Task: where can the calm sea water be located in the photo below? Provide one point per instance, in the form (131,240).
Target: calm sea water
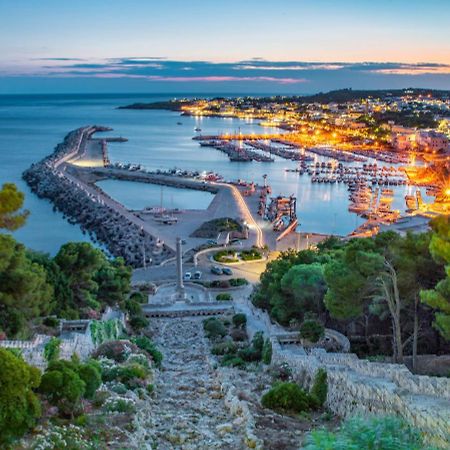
(31,126)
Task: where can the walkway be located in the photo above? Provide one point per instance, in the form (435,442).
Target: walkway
(188,411)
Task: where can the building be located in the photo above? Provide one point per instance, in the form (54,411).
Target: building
(432,141)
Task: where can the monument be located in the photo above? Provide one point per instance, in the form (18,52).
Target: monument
(180,290)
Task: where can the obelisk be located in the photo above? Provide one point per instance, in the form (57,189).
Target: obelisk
(181,294)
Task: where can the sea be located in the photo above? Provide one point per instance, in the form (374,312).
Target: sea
(32,125)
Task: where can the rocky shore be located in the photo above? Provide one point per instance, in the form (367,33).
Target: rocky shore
(48,179)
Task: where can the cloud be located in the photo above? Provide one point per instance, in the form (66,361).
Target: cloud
(157,68)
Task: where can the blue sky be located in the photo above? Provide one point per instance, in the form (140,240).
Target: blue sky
(286,46)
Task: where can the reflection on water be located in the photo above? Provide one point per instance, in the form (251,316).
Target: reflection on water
(134,195)
(30,127)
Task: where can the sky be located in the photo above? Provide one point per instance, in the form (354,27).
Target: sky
(245,46)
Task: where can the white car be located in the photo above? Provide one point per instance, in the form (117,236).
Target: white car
(187,276)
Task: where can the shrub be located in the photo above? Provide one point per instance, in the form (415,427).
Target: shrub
(225,296)
(267,352)
(319,389)
(138,323)
(52,349)
(133,307)
(249,354)
(150,388)
(312,330)
(232,361)
(214,328)
(138,297)
(100,398)
(91,375)
(250,255)
(225,256)
(144,343)
(51,322)
(63,387)
(282,372)
(121,405)
(128,374)
(239,320)
(238,334)
(258,341)
(287,397)
(377,433)
(116,350)
(19,406)
(224,348)
(237,282)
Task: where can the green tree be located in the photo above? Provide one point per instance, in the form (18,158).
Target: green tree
(79,262)
(348,277)
(63,305)
(113,279)
(63,387)
(305,287)
(11,202)
(439,297)
(19,406)
(90,373)
(24,291)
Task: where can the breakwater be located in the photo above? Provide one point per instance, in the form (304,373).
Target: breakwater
(122,234)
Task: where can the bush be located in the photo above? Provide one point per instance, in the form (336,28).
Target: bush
(225,256)
(250,255)
(287,397)
(281,372)
(19,406)
(133,307)
(214,328)
(52,349)
(100,398)
(249,354)
(51,322)
(377,433)
(232,361)
(235,282)
(121,405)
(258,341)
(267,352)
(91,375)
(224,348)
(138,297)
(225,296)
(312,330)
(144,343)
(138,323)
(150,388)
(116,350)
(128,374)
(238,334)
(239,320)
(319,389)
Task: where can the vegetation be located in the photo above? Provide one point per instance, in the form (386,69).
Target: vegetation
(289,397)
(144,343)
(239,320)
(19,406)
(266,355)
(250,255)
(12,216)
(52,349)
(312,330)
(214,328)
(351,282)
(226,256)
(224,296)
(377,433)
(439,297)
(212,228)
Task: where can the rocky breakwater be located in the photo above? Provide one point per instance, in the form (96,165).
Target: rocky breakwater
(122,237)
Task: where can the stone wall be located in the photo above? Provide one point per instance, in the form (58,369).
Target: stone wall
(360,387)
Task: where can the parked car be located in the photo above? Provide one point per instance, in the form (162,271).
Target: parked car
(227,271)
(216,270)
(187,276)
(197,275)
